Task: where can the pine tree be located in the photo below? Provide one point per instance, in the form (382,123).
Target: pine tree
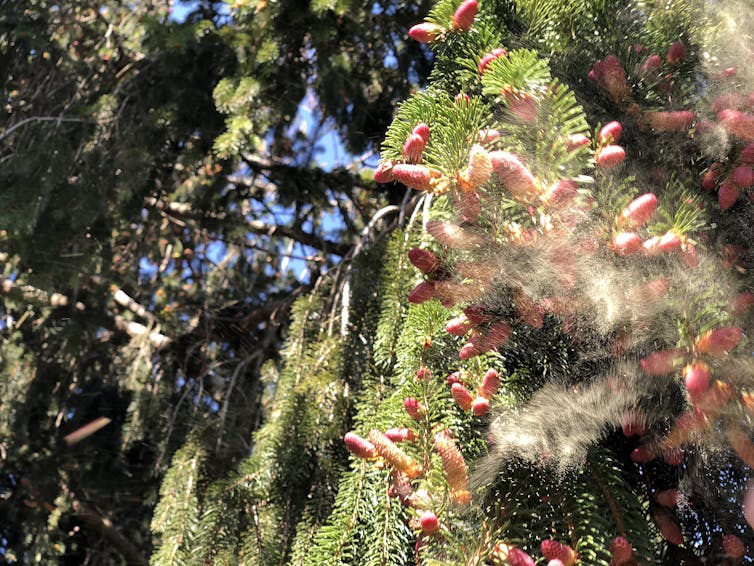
(162,205)
(528,346)
(569,381)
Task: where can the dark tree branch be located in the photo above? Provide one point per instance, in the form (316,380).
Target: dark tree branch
(297,234)
(258,227)
(96,523)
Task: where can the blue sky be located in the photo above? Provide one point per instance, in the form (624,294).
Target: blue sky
(181,9)
(330,154)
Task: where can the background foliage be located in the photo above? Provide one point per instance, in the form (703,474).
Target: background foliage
(204,288)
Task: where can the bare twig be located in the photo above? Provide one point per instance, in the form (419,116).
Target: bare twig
(124,300)
(134,329)
(31,119)
(226,402)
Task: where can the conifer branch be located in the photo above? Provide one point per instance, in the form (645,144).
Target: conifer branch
(609,498)
(96,523)
(93,521)
(34,295)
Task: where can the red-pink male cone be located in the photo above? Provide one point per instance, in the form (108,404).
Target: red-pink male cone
(478,171)
(741,303)
(720,341)
(359,447)
(669,529)
(696,376)
(561,193)
(490,383)
(668,497)
(663,362)
(421,130)
(610,133)
(639,211)
(734,547)
(711,175)
(384,172)
(424,291)
(425,32)
(516,178)
(669,121)
(743,176)
(642,454)
(488,58)
(626,243)
(740,124)
(747,154)
(727,194)
(414,408)
(610,156)
(634,422)
(497,334)
(424,260)
(468,351)
(650,245)
(462,396)
(668,242)
(454,466)
(458,326)
(676,53)
(480,406)
(522,105)
(575,141)
(728,100)
(554,550)
(413,148)
(429,522)
(414,176)
(488,136)
(508,555)
(400,434)
(463,18)
(609,74)
(650,65)
(621,551)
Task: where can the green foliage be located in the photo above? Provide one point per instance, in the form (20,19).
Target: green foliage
(585,509)
(394,287)
(521,69)
(162,194)
(176,517)
(18,374)
(366,526)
